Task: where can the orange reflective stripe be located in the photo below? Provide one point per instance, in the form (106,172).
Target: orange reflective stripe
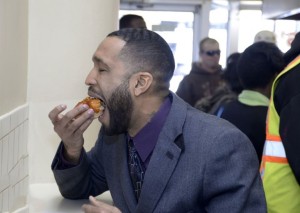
(293,63)
(274,138)
(262,167)
(273,159)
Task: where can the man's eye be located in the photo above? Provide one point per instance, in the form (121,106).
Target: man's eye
(102,70)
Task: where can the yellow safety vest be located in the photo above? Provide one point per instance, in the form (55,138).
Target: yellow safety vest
(280,185)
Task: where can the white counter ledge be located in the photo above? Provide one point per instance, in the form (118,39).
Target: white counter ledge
(46,198)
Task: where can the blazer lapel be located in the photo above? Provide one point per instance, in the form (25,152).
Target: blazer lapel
(161,166)
(165,156)
(127,190)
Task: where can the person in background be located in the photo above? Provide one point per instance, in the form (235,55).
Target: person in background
(188,161)
(257,68)
(132,21)
(226,92)
(205,75)
(280,167)
(265,35)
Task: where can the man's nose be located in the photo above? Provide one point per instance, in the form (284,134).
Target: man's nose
(91,77)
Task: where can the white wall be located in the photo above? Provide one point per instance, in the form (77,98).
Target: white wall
(45,53)
(13,107)
(63,35)
(13,54)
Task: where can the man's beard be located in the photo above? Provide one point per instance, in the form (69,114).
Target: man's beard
(120,110)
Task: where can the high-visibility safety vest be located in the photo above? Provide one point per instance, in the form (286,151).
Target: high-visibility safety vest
(281,188)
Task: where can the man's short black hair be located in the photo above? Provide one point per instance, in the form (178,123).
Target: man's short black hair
(147,51)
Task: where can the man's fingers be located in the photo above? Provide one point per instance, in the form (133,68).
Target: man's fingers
(76,111)
(99,206)
(55,115)
(88,208)
(67,120)
(81,122)
(96,202)
(83,126)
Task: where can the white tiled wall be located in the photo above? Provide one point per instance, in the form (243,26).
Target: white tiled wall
(14,159)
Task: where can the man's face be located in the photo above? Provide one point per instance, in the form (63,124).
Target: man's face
(210,55)
(120,107)
(109,81)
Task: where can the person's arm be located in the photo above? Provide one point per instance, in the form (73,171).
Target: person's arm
(81,180)
(287,104)
(290,134)
(70,128)
(74,182)
(62,163)
(71,179)
(232,182)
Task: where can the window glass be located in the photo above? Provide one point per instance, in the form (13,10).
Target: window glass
(285,31)
(177,29)
(252,21)
(218,19)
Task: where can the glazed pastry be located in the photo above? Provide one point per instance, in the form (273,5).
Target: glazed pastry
(93,103)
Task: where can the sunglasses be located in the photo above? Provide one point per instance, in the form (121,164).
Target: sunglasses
(212,52)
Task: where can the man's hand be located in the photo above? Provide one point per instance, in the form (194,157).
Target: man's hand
(70,128)
(96,206)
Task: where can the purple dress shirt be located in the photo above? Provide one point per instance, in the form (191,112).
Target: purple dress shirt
(146,138)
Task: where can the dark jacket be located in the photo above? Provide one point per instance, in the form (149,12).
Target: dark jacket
(249,119)
(198,84)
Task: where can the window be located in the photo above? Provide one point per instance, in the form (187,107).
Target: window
(176,28)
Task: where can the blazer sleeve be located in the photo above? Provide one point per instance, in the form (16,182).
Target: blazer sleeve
(231,180)
(82,180)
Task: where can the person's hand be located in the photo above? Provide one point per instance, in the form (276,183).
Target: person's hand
(70,128)
(96,206)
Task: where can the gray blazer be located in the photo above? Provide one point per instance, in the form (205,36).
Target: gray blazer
(200,163)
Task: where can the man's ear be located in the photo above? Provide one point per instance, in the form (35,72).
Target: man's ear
(142,82)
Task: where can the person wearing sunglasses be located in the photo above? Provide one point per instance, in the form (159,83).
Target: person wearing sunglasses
(205,75)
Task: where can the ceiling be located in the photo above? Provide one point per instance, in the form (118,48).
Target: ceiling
(281,9)
(188,1)
(272,9)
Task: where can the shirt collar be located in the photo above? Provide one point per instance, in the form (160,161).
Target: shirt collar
(253,98)
(147,137)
